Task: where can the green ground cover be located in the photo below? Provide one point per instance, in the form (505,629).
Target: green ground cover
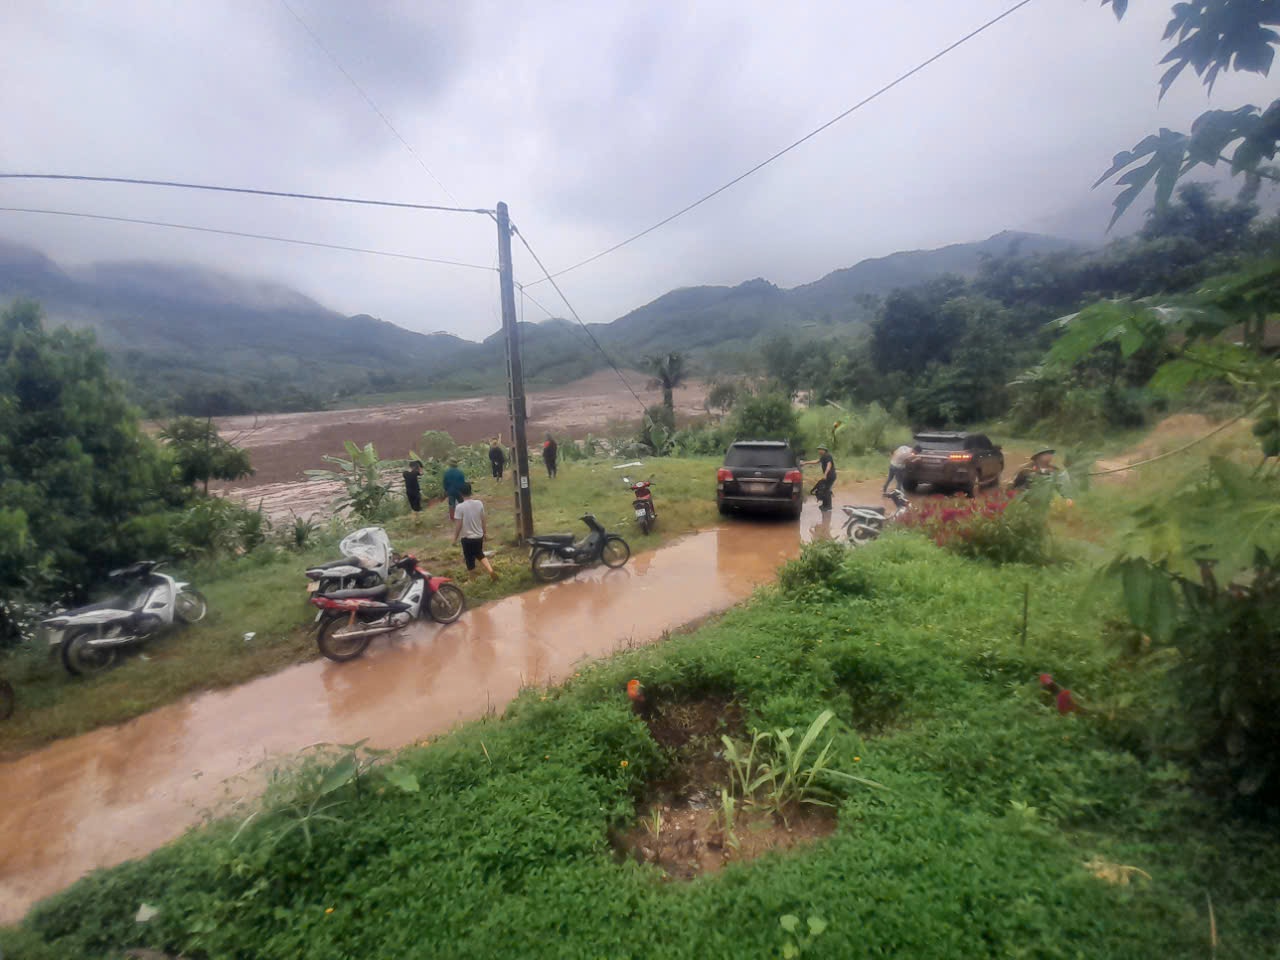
(1002,830)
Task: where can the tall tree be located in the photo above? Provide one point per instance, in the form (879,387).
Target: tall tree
(201,454)
(669,371)
(74,465)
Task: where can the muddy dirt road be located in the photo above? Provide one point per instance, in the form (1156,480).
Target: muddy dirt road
(117,793)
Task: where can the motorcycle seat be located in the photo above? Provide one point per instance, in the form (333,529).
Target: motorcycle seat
(852,510)
(367,593)
(344,562)
(554,540)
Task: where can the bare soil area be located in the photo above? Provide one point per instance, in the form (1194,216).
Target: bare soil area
(283,445)
(682,828)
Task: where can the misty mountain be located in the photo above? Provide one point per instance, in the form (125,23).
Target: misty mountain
(191,338)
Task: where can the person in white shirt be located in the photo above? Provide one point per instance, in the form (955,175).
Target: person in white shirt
(897,460)
(471,526)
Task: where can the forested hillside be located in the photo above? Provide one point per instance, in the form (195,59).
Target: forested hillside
(193,340)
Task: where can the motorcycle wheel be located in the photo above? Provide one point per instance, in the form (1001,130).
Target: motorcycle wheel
(447,603)
(80,659)
(860,534)
(190,606)
(614,552)
(538,564)
(646,524)
(332,642)
(7,700)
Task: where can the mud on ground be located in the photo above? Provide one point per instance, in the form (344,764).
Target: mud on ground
(682,827)
(283,445)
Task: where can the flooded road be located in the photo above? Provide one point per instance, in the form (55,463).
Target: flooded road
(119,792)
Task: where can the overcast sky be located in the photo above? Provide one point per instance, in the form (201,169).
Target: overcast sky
(591,120)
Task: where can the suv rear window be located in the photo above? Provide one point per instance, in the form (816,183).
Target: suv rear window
(939,443)
(746,455)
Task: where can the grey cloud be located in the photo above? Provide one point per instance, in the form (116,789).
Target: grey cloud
(591,120)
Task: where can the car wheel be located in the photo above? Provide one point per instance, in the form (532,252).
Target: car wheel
(724,510)
(909,486)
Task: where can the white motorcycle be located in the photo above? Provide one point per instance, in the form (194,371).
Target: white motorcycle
(365,563)
(148,603)
(864,524)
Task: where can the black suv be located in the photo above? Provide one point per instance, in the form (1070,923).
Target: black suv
(760,475)
(953,461)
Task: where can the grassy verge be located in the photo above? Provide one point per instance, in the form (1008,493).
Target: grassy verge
(1004,829)
(263,594)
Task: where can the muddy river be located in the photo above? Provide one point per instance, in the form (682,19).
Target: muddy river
(119,792)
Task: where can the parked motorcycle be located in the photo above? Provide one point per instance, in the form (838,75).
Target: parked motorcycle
(366,562)
(646,515)
(148,603)
(864,524)
(349,619)
(550,557)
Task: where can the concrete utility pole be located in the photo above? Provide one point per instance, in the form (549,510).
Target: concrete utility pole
(515,379)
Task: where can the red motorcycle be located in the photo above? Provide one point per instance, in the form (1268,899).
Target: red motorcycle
(646,515)
(349,619)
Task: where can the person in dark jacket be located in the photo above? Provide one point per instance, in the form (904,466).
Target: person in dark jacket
(453,481)
(497,459)
(411,489)
(549,452)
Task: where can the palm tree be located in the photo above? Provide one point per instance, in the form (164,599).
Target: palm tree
(668,372)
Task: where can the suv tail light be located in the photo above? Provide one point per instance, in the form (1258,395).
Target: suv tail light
(960,456)
(793,476)
(723,474)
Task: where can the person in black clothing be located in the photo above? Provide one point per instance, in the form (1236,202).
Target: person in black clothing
(549,452)
(497,459)
(822,489)
(411,488)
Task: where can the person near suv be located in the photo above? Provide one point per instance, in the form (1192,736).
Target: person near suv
(822,489)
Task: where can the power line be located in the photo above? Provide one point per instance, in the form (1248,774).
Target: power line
(367,99)
(785,150)
(603,353)
(251,236)
(248,190)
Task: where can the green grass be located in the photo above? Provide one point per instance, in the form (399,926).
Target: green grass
(978,847)
(263,594)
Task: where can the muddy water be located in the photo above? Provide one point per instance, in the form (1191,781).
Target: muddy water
(119,792)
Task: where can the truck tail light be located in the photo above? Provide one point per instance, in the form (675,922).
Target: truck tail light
(960,456)
(793,476)
(723,474)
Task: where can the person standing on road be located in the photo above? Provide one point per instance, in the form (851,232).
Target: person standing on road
(471,526)
(549,452)
(897,461)
(497,458)
(453,481)
(412,491)
(822,489)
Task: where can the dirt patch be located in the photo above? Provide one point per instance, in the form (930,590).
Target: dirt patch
(683,827)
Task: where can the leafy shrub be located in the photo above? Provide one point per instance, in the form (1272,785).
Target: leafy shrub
(824,569)
(364,478)
(1223,708)
(766,417)
(1002,528)
(436,445)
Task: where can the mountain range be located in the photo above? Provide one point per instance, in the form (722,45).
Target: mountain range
(195,339)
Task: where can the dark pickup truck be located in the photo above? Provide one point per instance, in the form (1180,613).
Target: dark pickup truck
(761,476)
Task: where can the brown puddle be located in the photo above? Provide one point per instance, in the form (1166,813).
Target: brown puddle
(120,792)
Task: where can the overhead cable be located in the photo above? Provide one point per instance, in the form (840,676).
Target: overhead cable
(251,236)
(785,150)
(254,192)
(367,99)
(603,352)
